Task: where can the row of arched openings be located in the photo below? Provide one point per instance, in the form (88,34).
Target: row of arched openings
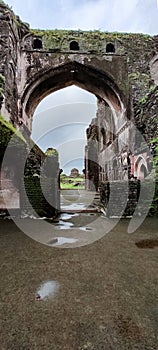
(74,46)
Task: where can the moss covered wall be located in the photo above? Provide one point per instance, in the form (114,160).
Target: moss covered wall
(43,201)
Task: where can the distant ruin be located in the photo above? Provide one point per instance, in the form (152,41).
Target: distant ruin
(74,173)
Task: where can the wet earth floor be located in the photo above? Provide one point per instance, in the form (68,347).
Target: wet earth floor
(91,285)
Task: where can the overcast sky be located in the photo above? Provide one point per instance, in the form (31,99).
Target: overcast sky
(111,15)
(106,15)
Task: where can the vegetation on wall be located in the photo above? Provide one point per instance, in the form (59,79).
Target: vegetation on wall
(90,34)
(37,201)
(7,131)
(51,152)
(93,39)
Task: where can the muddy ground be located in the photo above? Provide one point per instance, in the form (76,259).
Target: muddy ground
(107,296)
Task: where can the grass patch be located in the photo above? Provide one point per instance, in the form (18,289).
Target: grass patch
(68,182)
(71,186)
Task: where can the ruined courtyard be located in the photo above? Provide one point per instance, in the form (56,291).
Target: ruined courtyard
(98,245)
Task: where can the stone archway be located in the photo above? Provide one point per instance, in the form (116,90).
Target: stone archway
(97,82)
(35,63)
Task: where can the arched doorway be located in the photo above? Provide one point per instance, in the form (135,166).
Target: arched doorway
(92,80)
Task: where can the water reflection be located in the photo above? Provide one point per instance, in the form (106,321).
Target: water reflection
(64,225)
(47,289)
(66,216)
(62,240)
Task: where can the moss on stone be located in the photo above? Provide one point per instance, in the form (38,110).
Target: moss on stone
(7,131)
(51,152)
(56,37)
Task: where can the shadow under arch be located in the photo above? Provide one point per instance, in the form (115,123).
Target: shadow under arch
(73,73)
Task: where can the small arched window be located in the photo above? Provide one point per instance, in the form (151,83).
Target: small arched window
(110,48)
(74,45)
(37,44)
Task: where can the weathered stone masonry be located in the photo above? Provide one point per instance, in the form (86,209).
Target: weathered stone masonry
(120,69)
(29,178)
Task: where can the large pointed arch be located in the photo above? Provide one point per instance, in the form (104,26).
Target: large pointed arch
(86,77)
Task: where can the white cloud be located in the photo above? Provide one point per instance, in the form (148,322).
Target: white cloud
(88,15)
(71,94)
(57,117)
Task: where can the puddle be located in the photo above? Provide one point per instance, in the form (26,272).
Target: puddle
(86,228)
(62,240)
(53,241)
(66,216)
(74,206)
(64,225)
(147,243)
(30,216)
(47,290)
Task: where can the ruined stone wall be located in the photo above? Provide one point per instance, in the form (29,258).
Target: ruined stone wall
(24,51)
(27,54)
(28,177)
(12,31)
(40,195)
(139,49)
(118,68)
(113,140)
(91,159)
(146,115)
(108,135)
(43,195)
(121,199)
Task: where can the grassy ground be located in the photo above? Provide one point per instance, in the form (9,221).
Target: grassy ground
(71,187)
(108,296)
(70,183)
